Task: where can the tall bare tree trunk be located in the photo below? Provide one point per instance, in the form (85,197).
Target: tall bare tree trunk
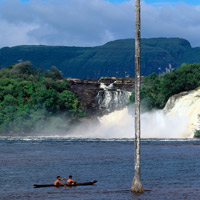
(137,185)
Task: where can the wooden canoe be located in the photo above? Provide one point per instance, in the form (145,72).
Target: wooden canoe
(77,184)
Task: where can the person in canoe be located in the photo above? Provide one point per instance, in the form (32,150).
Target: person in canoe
(70,181)
(58,182)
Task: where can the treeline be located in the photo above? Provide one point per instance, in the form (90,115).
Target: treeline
(32,101)
(115,58)
(157,89)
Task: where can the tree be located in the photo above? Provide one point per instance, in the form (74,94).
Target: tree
(21,68)
(54,73)
(136,184)
(31,103)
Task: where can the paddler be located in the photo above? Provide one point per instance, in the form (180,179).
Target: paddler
(70,181)
(58,182)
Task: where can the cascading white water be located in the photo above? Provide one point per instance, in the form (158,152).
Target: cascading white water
(185,105)
(111,99)
(153,125)
(179,119)
(120,124)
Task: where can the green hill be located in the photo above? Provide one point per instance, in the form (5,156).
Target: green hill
(115,58)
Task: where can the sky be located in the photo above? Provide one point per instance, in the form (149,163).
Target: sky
(191,2)
(94,22)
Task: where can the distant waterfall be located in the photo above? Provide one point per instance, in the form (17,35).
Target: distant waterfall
(185,105)
(120,124)
(111,99)
(179,119)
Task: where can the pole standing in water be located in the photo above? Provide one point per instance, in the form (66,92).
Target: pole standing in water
(137,185)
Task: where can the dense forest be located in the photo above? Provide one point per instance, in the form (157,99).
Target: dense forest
(36,101)
(157,89)
(113,59)
(33,101)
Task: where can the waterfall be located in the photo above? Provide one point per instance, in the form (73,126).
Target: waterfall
(179,119)
(154,124)
(120,124)
(110,99)
(185,105)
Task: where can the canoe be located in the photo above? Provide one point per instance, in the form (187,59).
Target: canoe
(52,185)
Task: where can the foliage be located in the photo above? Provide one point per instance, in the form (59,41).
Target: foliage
(31,100)
(197,133)
(54,73)
(115,58)
(157,89)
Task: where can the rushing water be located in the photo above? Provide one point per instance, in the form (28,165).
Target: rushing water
(111,98)
(170,169)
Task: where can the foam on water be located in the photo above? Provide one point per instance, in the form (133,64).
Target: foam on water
(120,124)
(82,139)
(178,120)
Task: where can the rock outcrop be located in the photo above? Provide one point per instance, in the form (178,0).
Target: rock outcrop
(104,95)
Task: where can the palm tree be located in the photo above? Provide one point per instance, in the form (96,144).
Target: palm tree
(137,185)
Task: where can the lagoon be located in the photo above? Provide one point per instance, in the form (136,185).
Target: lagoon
(170,168)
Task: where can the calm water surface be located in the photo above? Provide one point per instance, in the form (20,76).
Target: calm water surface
(170,168)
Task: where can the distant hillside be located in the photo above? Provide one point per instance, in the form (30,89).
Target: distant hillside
(115,58)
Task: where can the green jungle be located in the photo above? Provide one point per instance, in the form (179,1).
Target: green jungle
(35,101)
(157,89)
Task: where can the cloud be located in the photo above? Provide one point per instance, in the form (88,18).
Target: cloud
(171,21)
(91,22)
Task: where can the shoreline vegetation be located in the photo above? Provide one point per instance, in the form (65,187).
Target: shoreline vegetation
(158,88)
(33,101)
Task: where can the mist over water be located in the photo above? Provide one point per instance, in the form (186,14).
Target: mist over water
(179,119)
(120,124)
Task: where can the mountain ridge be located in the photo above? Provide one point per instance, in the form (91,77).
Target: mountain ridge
(113,59)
